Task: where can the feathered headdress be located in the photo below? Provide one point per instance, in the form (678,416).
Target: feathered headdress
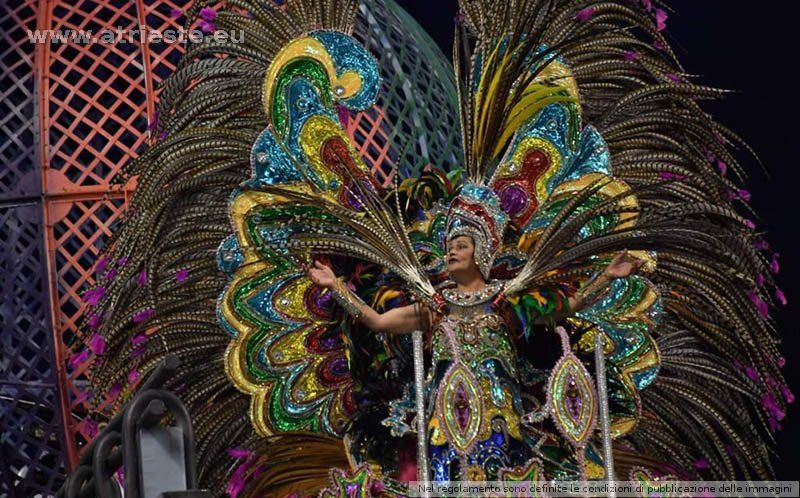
(477,213)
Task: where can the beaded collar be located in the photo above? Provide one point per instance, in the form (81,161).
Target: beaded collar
(452,295)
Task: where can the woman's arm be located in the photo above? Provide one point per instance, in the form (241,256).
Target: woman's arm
(622,266)
(584,296)
(401,320)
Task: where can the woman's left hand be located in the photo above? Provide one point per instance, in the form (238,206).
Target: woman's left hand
(622,266)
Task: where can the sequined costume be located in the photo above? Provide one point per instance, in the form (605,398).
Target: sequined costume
(580,138)
(476,404)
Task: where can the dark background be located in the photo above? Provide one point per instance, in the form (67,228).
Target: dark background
(751,48)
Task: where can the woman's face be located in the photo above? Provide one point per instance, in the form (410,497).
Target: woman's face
(460,252)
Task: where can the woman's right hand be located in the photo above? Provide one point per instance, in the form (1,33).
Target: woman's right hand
(321,275)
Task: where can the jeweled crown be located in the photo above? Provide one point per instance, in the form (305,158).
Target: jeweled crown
(476,212)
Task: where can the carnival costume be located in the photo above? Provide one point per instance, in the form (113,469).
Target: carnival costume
(581,138)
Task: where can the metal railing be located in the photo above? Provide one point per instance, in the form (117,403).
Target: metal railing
(119,446)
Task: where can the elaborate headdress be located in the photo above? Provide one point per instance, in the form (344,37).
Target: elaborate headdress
(477,213)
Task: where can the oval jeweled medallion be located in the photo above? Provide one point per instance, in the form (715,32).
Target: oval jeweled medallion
(571,397)
(460,407)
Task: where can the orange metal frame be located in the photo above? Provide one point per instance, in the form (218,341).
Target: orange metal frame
(78,208)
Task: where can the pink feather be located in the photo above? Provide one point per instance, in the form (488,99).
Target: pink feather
(182,275)
(780,296)
(661,20)
(585,14)
(92,297)
(97,344)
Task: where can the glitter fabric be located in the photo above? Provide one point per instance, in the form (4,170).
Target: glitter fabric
(475,423)
(547,144)
(625,315)
(296,380)
(548,161)
(310,192)
(573,400)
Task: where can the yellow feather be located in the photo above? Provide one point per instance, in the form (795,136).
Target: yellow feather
(484,96)
(535,97)
(524,111)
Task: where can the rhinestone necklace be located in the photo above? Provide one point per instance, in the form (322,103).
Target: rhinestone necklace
(459,298)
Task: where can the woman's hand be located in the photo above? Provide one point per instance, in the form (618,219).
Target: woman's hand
(321,275)
(622,266)
(402,320)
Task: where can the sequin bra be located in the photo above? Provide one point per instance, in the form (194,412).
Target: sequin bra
(474,373)
(472,328)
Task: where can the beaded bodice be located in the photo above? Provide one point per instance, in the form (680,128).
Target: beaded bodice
(474,371)
(473,331)
(475,339)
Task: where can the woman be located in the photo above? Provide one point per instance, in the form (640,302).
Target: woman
(475,401)
(532,77)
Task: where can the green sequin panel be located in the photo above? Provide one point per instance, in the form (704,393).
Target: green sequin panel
(302,68)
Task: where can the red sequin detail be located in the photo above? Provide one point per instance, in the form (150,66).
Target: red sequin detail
(336,156)
(534,165)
